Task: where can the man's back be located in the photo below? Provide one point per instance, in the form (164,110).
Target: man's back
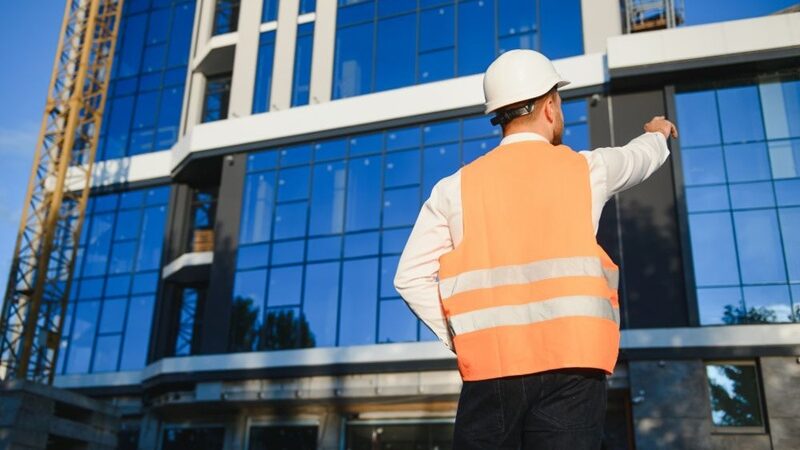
(440,225)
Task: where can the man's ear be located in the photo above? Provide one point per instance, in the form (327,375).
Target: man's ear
(550,109)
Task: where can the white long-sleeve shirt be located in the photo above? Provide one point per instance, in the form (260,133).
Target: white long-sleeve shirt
(439,226)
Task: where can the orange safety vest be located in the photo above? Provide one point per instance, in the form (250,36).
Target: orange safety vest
(529,289)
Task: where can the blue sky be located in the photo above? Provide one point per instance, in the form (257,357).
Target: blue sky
(23,90)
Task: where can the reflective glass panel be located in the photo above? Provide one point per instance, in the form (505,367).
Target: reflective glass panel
(739,163)
(733,389)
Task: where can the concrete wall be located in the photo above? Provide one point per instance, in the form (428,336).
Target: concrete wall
(781,381)
(671,407)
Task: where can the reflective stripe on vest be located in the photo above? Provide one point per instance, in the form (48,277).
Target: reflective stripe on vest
(528,313)
(528,273)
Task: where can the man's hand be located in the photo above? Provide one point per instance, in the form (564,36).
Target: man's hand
(661,125)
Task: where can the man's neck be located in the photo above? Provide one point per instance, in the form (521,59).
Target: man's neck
(533,128)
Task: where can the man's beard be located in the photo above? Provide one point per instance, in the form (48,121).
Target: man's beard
(558,133)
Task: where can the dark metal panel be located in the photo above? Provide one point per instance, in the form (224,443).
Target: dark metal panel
(655,294)
(601,135)
(214,333)
(162,328)
(683,214)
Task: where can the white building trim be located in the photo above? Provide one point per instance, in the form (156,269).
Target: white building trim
(700,42)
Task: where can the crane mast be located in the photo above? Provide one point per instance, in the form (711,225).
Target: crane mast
(39,282)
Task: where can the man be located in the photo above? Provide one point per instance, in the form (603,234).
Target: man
(503,265)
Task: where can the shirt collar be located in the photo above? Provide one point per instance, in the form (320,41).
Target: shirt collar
(522,136)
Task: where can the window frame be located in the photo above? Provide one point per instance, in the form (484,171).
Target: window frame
(671,92)
(727,430)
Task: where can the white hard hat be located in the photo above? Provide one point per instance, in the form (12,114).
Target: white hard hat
(518,75)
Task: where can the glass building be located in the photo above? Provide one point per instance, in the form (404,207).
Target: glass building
(262,162)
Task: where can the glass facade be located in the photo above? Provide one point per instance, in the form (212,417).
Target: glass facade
(217,97)
(697,12)
(307,6)
(226,16)
(323,225)
(740,151)
(302,64)
(383,45)
(269,11)
(145,95)
(107,327)
(191,303)
(734,394)
(263,86)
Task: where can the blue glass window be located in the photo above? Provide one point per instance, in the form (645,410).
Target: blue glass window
(266,54)
(359,288)
(216,99)
(144,102)
(321,302)
(394,58)
(710,11)
(741,179)
(353,61)
(269,11)
(323,225)
(226,16)
(302,64)
(307,6)
(115,282)
(399,43)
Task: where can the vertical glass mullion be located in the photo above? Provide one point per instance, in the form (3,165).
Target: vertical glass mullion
(379,283)
(374,60)
(341,242)
(276,176)
(304,269)
(776,209)
(124,331)
(102,298)
(730,210)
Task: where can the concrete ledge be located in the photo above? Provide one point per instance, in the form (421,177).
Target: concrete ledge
(673,340)
(341,116)
(642,51)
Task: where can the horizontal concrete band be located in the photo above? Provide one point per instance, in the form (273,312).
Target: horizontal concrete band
(534,312)
(528,273)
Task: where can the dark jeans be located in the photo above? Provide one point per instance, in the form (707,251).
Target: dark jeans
(560,409)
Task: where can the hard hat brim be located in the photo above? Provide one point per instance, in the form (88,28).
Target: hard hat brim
(520,96)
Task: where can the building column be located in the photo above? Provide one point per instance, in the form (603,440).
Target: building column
(245,59)
(285,42)
(322,58)
(214,333)
(601,20)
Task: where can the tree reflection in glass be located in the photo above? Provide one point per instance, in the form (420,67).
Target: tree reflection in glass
(734,395)
(281,329)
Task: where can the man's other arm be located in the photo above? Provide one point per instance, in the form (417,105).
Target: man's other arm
(417,272)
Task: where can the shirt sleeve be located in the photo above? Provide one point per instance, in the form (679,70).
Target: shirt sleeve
(633,163)
(417,272)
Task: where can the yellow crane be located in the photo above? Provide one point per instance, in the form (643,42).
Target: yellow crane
(44,256)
